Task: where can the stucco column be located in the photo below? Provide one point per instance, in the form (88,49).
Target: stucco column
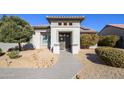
(76,41)
(54,41)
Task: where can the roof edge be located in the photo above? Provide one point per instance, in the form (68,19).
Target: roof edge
(41,26)
(112,25)
(87,30)
(80,18)
(109,25)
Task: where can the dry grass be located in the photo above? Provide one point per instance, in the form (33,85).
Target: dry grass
(41,58)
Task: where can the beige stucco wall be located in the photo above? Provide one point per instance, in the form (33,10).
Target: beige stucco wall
(55,24)
(74,28)
(37,39)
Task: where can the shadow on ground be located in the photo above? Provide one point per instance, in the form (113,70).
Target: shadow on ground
(94,58)
(25,47)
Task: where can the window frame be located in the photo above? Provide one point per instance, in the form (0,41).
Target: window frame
(65,23)
(43,36)
(59,23)
(70,23)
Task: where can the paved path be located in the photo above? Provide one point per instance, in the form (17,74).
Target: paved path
(66,67)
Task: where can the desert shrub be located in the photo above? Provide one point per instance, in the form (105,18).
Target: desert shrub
(13,48)
(88,40)
(14,54)
(109,40)
(111,56)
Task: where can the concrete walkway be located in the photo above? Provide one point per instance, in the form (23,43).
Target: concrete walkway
(66,68)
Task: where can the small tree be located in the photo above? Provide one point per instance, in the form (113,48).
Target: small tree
(88,40)
(15,30)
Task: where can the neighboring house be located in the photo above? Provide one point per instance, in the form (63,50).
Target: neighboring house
(62,33)
(114,29)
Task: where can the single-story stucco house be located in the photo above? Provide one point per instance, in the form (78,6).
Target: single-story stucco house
(114,29)
(62,33)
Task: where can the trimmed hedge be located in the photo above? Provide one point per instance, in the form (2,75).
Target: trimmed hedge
(109,40)
(88,40)
(111,56)
(13,54)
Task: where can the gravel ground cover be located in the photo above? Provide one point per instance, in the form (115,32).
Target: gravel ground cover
(94,68)
(38,58)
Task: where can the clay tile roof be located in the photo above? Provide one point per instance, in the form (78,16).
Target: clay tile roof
(117,25)
(72,17)
(87,30)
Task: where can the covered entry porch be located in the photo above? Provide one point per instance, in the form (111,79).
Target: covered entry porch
(67,40)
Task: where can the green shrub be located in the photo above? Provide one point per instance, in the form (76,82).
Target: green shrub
(88,40)
(13,54)
(111,56)
(109,40)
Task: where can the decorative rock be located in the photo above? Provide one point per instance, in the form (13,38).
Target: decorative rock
(77,77)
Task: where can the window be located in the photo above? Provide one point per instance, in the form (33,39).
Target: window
(59,24)
(70,24)
(65,24)
(44,38)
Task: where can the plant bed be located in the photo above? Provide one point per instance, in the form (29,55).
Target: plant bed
(30,59)
(14,54)
(94,68)
(111,56)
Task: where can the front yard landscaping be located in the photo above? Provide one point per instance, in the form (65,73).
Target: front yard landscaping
(94,68)
(111,56)
(13,29)
(106,61)
(39,58)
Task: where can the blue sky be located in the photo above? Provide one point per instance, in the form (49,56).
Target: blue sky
(92,21)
